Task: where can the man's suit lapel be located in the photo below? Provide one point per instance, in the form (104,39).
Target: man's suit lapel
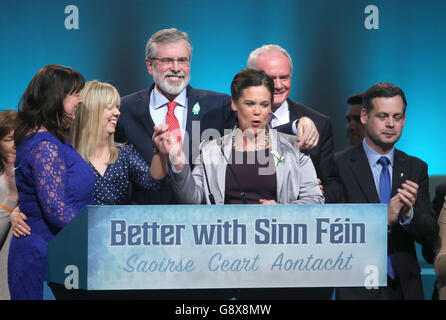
(192,102)
(400,170)
(142,111)
(293,110)
(279,169)
(363,174)
(193,116)
(226,147)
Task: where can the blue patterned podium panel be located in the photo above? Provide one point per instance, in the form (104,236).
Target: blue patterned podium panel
(226,246)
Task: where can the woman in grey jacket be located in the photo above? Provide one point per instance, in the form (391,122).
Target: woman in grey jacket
(252,164)
(8,192)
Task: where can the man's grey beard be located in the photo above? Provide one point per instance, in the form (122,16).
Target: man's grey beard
(164,85)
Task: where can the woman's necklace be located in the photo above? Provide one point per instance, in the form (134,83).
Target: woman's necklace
(264,145)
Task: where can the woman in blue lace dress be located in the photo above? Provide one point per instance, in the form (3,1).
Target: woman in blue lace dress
(114,167)
(54,183)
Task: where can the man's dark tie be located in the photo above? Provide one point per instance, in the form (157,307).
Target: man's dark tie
(270,119)
(385,190)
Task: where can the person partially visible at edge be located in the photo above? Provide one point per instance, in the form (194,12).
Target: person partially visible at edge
(8,189)
(355,128)
(440,259)
(8,192)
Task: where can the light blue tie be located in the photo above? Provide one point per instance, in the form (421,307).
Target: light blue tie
(385,191)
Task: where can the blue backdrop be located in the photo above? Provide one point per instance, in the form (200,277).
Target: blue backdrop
(334,54)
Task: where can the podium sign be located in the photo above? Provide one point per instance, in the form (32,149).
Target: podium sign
(223,246)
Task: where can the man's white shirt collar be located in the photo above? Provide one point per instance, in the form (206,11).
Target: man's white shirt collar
(158,100)
(281,115)
(373,156)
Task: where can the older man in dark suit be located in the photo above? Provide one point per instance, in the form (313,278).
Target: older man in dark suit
(374,172)
(292,117)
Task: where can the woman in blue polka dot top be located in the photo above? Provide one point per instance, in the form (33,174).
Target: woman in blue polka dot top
(114,166)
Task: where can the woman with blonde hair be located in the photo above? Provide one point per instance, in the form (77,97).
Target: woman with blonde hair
(114,166)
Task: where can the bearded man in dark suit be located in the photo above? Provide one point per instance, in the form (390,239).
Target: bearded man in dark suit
(188,111)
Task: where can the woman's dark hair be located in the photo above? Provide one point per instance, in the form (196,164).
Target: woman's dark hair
(8,123)
(251,77)
(42,102)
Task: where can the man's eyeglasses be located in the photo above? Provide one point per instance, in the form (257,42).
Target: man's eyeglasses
(170,61)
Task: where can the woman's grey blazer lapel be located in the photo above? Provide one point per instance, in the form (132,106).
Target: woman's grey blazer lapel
(225,144)
(279,167)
